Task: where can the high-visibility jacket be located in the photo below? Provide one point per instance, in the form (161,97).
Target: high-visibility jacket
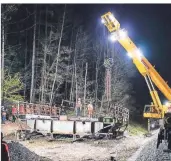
(21,109)
(90,107)
(14,110)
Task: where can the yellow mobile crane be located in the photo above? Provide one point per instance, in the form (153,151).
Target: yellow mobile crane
(157,109)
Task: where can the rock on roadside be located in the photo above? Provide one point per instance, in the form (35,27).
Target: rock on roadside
(150,153)
(20,153)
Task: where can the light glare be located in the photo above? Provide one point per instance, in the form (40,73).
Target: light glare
(102,21)
(129,54)
(112,18)
(123,34)
(166,103)
(139,53)
(113,38)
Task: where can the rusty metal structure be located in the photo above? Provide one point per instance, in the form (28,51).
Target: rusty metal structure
(106,126)
(120,113)
(28,110)
(50,121)
(78,128)
(108,65)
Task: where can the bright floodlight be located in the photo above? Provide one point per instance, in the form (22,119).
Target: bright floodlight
(112,18)
(102,21)
(122,34)
(113,37)
(166,103)
(129,54)
(139,53)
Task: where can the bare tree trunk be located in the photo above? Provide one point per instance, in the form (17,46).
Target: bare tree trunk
(71,91)
(96,85)
(73,75)
(44,62)
(72,82)
(58,54)
(25,87)
(2,58)
(39,100)
(76,88)
(33,60)
(66,84)
(3,52)
(85,84)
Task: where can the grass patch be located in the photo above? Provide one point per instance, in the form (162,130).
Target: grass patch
(136,129)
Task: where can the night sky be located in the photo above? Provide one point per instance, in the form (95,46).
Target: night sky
(149,27)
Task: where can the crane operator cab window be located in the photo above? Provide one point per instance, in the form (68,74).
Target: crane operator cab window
(149,108)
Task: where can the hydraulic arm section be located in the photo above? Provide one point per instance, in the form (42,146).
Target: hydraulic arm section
(156,110)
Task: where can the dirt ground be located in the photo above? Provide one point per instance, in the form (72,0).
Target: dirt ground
(9,127)
(87,150)
(100,150)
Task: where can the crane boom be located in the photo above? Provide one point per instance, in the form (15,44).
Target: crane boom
(145,68)
(143,65)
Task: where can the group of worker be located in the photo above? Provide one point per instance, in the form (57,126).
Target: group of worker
(78,108)
(5,114)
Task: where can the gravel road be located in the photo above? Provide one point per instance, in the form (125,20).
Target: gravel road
(132,148)
(88,150)
(150,153)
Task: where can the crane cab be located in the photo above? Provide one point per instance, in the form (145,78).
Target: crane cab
(110,22)
(150,112)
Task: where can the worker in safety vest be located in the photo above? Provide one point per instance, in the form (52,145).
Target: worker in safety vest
(90,110)
(14,113)
(21,109)
(78,107)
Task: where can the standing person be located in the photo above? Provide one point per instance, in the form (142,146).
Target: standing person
(14,113)
(78,107)
(7,114)
(3,115)
(90,110)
